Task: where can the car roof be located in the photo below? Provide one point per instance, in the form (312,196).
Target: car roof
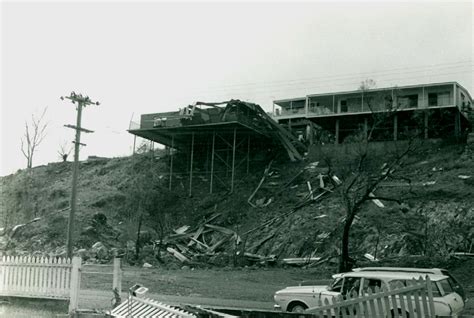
(389,275)
(400,269)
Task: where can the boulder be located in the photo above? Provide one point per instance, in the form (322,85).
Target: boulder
(100,250)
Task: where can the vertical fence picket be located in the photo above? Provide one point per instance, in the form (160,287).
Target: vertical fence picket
(49,276)
(17,275)
(365,304)
(424,298)
(53,275)
(342,310)
(37,273)
(58,269)
(26,275)
(45,274)
(14,284)
(63,280)
(2,274)
(33,273)
(12,273)
(371,304)
(26,288)
(416,299)
(7,272)
(394,306)
(23,273)
(379,311)
(429,288)
(40,274)
(68,275)
(402,305)
(411,313)
(360,306)
(63,276)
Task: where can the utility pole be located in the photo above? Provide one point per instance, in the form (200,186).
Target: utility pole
(82,101)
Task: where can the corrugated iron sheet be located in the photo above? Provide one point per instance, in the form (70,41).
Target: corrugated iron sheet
(149,308)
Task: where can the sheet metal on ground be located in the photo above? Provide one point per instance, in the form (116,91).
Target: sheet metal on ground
(146,307)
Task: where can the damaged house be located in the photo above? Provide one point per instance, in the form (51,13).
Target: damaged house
(219,139)
(429,110)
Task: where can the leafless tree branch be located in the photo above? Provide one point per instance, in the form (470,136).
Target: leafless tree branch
(34,135)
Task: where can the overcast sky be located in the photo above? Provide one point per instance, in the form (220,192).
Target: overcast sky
(156,56)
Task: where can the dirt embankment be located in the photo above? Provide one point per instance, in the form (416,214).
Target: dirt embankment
(433,220)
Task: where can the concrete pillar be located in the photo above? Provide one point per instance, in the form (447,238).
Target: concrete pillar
(337,132)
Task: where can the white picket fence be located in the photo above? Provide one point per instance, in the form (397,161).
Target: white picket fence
(41,277)
(413,301)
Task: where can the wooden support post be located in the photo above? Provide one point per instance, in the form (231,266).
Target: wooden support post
(457,123)
(171,162)
(366,128)
(212,161)
(395,127)
(425,126)
(248,154)
(75,284)
(233,162)
(306,106)
(423,99)
(309,134)
(191,166)
(337,132)
(117,278)
(134,142)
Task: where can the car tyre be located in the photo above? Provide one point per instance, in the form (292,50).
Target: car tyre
(297,307)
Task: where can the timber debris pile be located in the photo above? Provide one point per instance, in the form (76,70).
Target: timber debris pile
(211,243)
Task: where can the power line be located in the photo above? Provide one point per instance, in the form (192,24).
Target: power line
(257,91)
(432,67)
(359,78)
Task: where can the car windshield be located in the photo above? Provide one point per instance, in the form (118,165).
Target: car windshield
(336,285)
(445,287)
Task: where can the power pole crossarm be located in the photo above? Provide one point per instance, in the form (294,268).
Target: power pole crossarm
(82,101)
(80,128)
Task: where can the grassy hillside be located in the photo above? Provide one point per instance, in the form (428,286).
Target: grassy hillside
(434,219)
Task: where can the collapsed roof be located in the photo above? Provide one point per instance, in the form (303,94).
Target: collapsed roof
(203,117)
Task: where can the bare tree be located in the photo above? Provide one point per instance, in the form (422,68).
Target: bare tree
(363,174)
(64,151)
(35,131)
(363,169)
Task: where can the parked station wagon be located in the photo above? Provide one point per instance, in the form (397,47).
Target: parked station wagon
(447,302)
(436,271)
